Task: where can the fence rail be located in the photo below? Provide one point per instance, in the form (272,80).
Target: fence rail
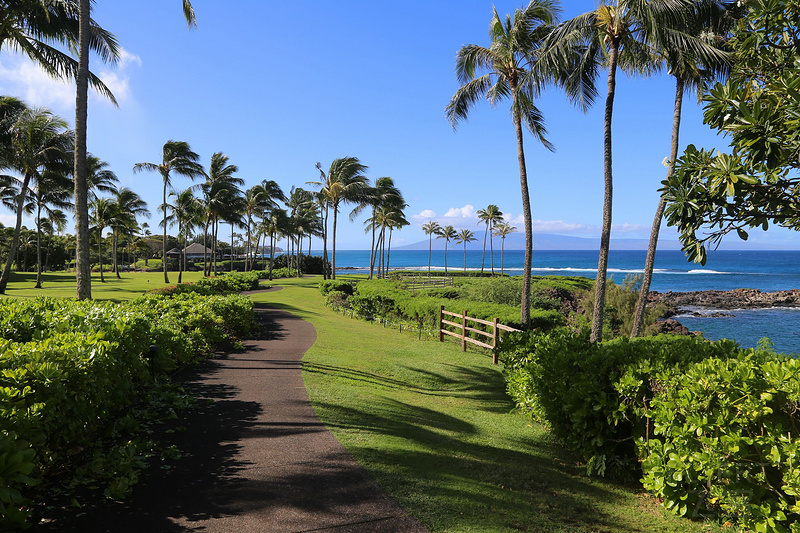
(494,336)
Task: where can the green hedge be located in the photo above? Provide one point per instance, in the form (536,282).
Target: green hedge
(67,369)
(712,428)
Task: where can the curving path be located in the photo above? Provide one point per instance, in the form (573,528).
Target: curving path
(257,459)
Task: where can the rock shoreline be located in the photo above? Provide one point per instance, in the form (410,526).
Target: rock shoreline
(734,299)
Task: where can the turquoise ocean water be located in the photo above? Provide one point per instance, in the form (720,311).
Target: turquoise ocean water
(724,270)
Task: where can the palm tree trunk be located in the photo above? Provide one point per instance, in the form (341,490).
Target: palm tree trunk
(100,252)
(502,255)
(430,247)
(182,256)
(445,257)
(389,249)
(164,242)
(115,243)
(12,250)
(525,302)
(83,270)
(231,246)
(605,236)
(483,257)
(38,246)
(333,251)
(644,290)
(465,257)
(205,249)
(373,251)
(491,249)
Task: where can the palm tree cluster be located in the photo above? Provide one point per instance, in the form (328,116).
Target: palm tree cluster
(530,50)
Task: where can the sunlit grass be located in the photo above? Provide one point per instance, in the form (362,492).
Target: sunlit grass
(62,284)
(435,428)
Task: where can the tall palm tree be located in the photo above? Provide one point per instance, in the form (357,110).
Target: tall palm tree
(272,225)
(126,206)
(709,20)
(255,201)
(176,157)
(625,34)
(102,211)
(51,191)
(344,183)
(510,70)
(447,233)
(465,237)
(270,192)
(383,195)
(489,216)
(431,228)
(222,198)
(38,139)
(87,37)
(503,230)
(187,211)
(98,177)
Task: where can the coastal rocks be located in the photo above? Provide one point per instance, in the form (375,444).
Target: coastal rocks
(735,299)
(673,327)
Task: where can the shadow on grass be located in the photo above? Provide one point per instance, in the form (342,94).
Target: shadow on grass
(462,477)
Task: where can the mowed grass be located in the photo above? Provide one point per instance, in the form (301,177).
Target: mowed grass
(62,284)
(435,428)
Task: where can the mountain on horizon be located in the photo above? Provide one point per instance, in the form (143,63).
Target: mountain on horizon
(543,241)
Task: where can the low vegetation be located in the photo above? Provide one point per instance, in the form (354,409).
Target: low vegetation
(76,374)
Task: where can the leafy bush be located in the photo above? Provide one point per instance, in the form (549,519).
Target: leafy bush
(725,441)
(337,300)
(594,396)
(336,285)
(620,306)
(68,368)
(309,264)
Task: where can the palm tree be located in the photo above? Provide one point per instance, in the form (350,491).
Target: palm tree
(102,211)
(270,192)
(87,35)
(503,230)
(126,207)
(447,233)
(431,228)
(620,33)
(708,19)
(38,139)
(187,211)
(509,63)
(490,216)
(272,225)
(465,236)
(98,177)
(177,157)
(222,198)
(344,183)
(383,195)
(51,191)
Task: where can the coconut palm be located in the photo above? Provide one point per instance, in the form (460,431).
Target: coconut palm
(178,158)
(447,233)
(126,207)
(343,183)
(272,226)
(510,70)
(222,198)
(87,37)
(383,195)
(270,192)
(431,228)
(187,211)
(38,139)
(489,216)
(626,34)
(102,211)
(465,237)
(503,230)
(691,72)
(98,177)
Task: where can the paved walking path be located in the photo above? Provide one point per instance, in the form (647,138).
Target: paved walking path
(257,459)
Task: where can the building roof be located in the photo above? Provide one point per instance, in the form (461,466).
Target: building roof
(196,249)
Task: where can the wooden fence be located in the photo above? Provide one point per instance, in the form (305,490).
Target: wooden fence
(494,336)
(426,283)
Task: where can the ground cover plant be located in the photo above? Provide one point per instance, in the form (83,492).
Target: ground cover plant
(70,371)
(435,428)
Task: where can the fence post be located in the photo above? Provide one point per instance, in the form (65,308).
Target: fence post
(464,331)
(494,342)
(441,325)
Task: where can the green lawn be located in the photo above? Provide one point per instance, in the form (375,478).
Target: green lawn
(435,428)
(62,284)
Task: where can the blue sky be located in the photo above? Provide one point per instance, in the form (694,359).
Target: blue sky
(278,86)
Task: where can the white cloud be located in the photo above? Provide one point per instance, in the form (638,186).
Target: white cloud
(561,227)
(21,77)
(8,220)
(467,211)
(424,215)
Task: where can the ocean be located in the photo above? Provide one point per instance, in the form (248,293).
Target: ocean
(724,270)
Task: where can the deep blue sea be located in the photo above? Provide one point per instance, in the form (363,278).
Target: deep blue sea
(724,270)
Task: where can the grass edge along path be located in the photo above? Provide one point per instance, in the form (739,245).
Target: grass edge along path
(434,427)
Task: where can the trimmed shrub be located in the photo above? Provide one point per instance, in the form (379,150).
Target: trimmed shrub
(594,396)
(336,285)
